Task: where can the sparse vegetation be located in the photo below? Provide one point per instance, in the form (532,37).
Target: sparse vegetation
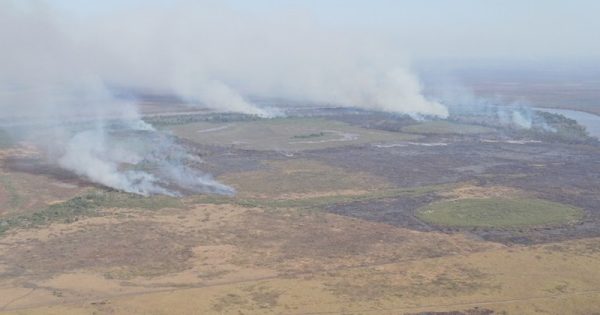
(369,284)
(14,198)
(229,300)
(263,296)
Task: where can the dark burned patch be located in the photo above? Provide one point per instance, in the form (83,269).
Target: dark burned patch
(38,166)
(395,211)
(400,212)
(376,120)
(407,166)
(572,180)
(554,171)
(219,160)
(141,246)
(575,182)
(415,165)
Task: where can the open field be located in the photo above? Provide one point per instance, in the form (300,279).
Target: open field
(499,213)
(286,134)
(318,225)
(280,179)
(543,279)
(24,190)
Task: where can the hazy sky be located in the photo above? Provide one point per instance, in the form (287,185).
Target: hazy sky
(431,29)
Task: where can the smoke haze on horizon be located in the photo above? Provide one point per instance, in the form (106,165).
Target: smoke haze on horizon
(58,63)
(56,66)
(208,54)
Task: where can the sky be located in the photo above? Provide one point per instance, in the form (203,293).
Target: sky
(434,29)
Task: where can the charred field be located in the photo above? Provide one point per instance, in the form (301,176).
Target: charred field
(426,161)
(335,210)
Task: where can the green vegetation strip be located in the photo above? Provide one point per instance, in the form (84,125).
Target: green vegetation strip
(317,202)
(446,127)
(499,213)
(87,205)
(91,204)
(184,119)
(308,136)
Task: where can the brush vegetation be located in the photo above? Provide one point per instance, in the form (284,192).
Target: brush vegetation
(184,119)
(87,205)
(499,213)
(92,203)
(446,127)
(557,127)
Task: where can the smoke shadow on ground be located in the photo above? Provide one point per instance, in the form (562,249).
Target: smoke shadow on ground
(37,166)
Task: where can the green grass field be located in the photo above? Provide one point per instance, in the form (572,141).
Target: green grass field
(315,203)
(445,127)
(499,213)
(291,134)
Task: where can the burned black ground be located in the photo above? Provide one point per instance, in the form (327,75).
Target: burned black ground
(544,167)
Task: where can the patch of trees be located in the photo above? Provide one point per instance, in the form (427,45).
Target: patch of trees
(189,119)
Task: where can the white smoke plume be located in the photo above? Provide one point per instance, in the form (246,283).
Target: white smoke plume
(50,84)
(57,69)
(462,102)
(131,156)
(218,57)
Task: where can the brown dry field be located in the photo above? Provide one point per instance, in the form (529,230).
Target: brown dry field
(233,257)
(30,189)
(225,259)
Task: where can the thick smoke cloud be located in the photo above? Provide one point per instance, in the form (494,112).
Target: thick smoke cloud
(221,58)
(462,102)
(60,70)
